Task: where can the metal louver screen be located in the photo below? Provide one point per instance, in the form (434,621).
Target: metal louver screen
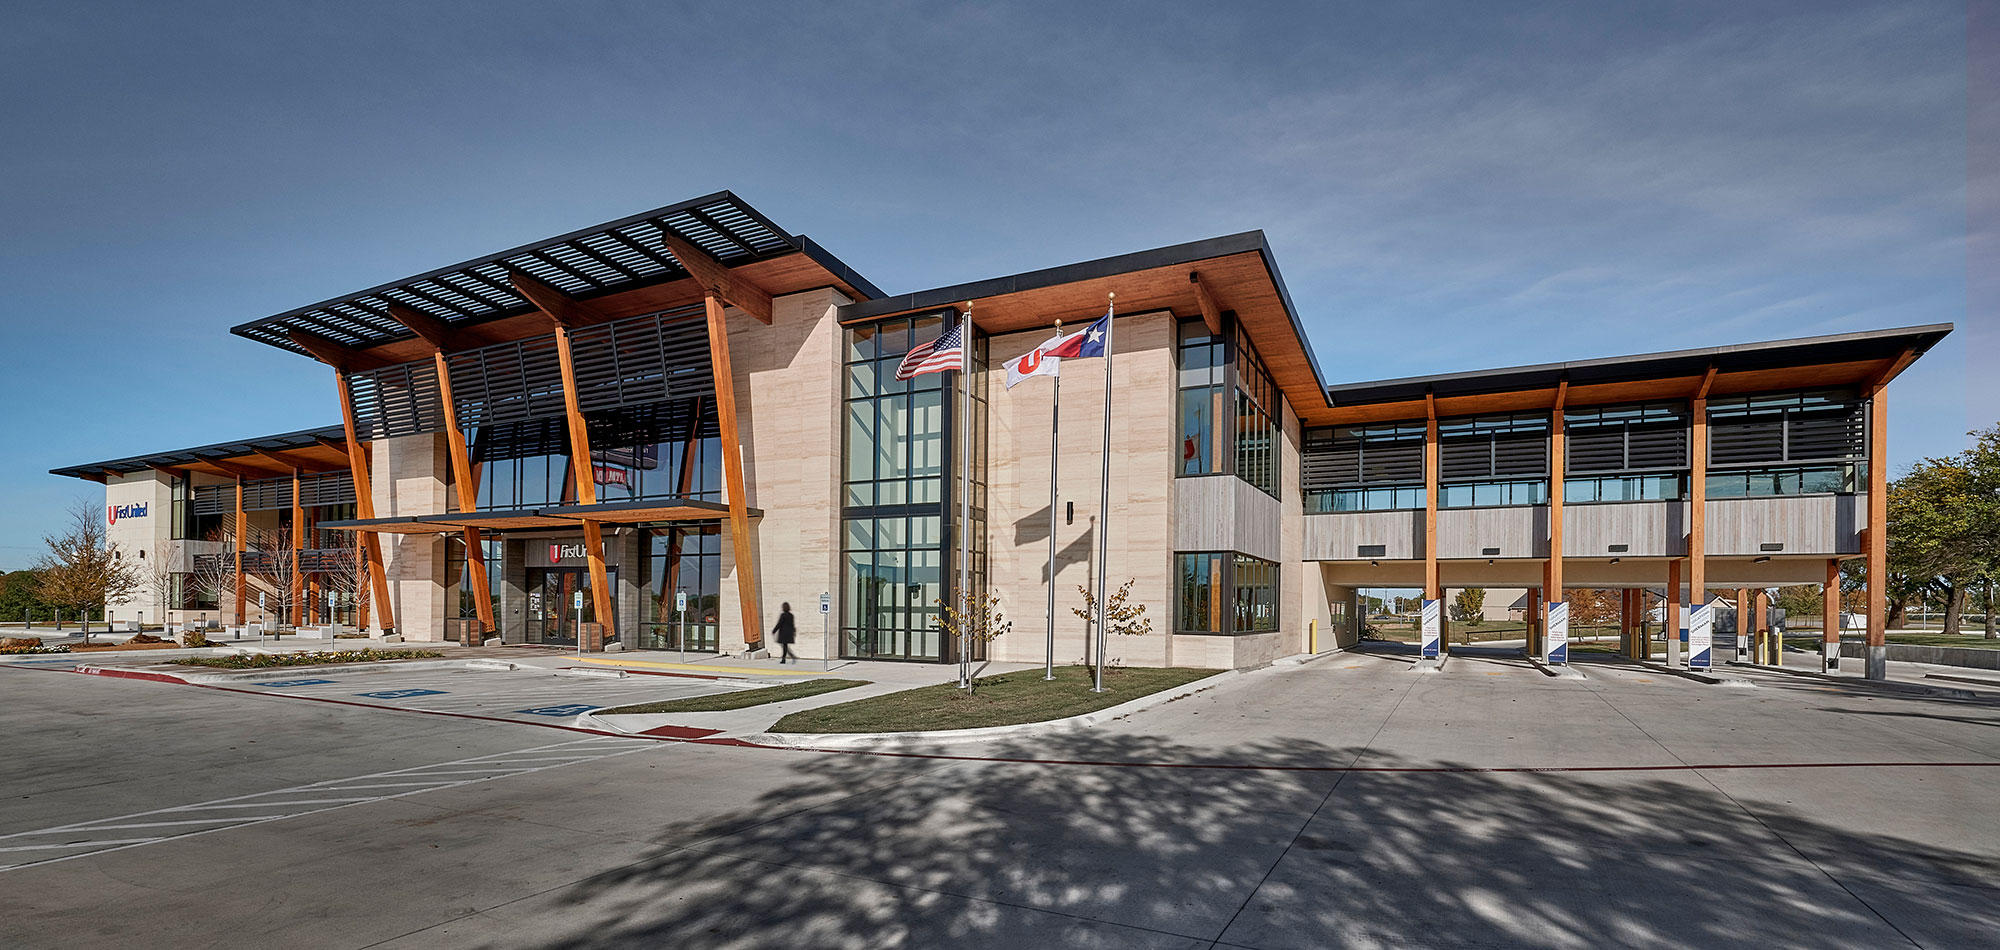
(272,494)
(1838,433)
(214,499)
(1465,460)
(1600,449)
(396,400)
(507,382)
(1746,439)
(609,431)
(1329,462)
(642,360)
(332,488)
(1663,446)
(1520,455)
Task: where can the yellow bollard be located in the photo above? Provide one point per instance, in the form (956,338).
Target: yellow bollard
(1312,635)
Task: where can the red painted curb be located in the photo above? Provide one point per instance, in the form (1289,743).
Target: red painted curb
(116,673)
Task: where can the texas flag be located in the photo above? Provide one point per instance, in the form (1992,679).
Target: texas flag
(1035,362)
(1088,341)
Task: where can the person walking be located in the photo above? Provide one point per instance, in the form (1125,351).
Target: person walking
(787,631)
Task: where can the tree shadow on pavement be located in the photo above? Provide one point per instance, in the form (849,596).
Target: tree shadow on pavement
(979,854)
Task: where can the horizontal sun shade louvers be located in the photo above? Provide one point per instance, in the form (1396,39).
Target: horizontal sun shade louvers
(1465,461)
(507,382)
(214,499)
(611,258)
(1838,433)
(641,425)
(396,400)
(1746,439)
(1355,457)
(272,494)
(332,488)
(642,360)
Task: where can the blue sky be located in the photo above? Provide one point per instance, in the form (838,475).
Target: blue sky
(1446,186)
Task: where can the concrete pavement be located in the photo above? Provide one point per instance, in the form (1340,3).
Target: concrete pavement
(1337,803)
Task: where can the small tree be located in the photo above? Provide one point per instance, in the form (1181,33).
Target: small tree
(157,575)
(276,568)
(981,621)
(215,574)
(1121,616)
(1469,607)
(82,569)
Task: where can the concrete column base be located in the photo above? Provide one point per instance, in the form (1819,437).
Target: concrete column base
(1878,663)
(1830,656)
(1673,649)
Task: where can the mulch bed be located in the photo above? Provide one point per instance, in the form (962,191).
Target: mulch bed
(101,647)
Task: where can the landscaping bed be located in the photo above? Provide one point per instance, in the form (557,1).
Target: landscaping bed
(265,661)
(1976,641)
(113,647)
(18,645)
(738,699)
(1003,700)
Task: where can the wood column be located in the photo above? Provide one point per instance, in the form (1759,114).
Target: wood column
(364,505)
(732,472)
(1698,497)
(1557,468)
(468,497)
(1878,519)
(242,544)
(1760,601)
(1532,618)
(1672,614)
(298,545)
(1433,584)
(583,472)
(1829,607)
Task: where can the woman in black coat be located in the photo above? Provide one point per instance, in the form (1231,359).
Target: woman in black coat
(786,632)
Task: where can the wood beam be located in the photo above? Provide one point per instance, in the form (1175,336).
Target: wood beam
(1433,588)
(296,462)
(168,470)
(1558,467)
(338,445)
(468,496)
(1896,367)
(333,354)
(716,277)
(1829,608)
(433,331)
(553,303)
(1211,312)
(1672,612)
(240,470)
(1698,496)
(582,469)
(732,473)
(364,505)
(298,544)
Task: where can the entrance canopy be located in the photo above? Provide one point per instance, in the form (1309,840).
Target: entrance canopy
(561,516)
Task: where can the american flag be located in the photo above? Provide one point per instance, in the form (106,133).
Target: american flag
(945,352)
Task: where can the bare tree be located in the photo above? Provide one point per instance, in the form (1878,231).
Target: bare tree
(347,573)
(82,569)
(157,574)
(215,574)
(275,568)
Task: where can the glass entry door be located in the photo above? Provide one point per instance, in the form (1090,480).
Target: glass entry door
(552,610)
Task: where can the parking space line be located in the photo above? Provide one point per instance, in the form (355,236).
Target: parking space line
(78,844)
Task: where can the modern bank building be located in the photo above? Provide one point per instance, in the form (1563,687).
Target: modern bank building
(654,431)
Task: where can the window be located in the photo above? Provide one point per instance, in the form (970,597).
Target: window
(1364,468)
(901,493)
(1787,444)
(1493,461)
(1230,415)
(1626,453)
(1225,593)
(461,600)
(683,559)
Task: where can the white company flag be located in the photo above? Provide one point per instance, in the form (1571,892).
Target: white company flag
(1035,362)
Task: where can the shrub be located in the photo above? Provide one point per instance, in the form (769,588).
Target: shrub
(263,661)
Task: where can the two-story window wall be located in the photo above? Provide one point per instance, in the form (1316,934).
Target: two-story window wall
(1492,461)
(1364,468)
(1230,415)
(1796,443)
(664,450)
(900,492)
(1626,453)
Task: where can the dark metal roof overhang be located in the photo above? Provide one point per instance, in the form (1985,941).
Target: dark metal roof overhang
(596,262)
(241,451)
(1238,269)
(1847,359)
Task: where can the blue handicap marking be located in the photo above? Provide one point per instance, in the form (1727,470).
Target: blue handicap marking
(571,709)
(403,693)
(294,682)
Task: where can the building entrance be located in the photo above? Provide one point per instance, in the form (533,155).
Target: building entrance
(552,610)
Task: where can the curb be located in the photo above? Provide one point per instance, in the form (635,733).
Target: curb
(1564,672)
(851,740)
(1699,677)
(228,677)
(1910,689)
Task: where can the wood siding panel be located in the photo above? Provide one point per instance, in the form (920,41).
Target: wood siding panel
(1516,532)
(1804,524)
(1339,536)
(1646,528)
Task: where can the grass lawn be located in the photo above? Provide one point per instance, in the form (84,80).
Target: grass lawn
(263,661)
(1002,700)
(736,699)
(1976,641)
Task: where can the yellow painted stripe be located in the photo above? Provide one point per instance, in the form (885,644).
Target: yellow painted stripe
(743,671)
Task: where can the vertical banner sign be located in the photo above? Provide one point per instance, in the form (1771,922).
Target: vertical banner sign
(1558,634)
(1433,611)
(1700,637)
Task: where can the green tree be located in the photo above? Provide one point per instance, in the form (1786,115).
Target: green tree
(1469,607)
(1939,538)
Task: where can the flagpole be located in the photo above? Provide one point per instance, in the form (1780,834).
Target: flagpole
(1104,497)
(965,499)
(1055,464)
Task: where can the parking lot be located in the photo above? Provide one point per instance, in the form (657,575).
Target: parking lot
(1346,802)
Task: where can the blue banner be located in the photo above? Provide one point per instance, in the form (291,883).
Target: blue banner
(1433,613)
(1558,633)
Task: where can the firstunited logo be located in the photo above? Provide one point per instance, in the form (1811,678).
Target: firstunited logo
(114,512)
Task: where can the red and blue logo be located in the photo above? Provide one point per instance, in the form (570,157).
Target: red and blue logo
(114,512)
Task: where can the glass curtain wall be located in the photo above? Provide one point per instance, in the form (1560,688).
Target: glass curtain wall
(461,600)
(1625,453)
(1493,461)
(900,492)
(1797,443)
(1364,468)
(683,558)
(1229,408)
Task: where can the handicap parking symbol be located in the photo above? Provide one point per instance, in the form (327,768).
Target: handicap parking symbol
(571,709)
(402,693)
(295,682)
